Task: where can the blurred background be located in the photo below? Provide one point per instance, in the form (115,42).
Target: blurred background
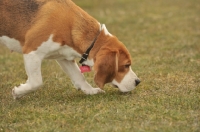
(163,37)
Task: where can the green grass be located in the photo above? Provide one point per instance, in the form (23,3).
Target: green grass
(163,38)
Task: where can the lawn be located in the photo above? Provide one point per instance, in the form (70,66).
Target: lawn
(163,37)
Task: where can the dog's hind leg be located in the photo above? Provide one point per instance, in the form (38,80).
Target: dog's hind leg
(72,69)
(33,69)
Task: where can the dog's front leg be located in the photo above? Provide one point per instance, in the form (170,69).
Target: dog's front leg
(33,70)
(72,69)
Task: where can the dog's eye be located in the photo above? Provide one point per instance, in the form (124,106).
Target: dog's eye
(127,65)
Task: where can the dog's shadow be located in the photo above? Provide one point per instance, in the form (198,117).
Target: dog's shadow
(41,97)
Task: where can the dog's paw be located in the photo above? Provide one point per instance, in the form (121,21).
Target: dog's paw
(93,91)
(14,94)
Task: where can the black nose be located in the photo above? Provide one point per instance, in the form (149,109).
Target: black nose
(137,81)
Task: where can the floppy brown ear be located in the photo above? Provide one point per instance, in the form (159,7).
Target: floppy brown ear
(105,67)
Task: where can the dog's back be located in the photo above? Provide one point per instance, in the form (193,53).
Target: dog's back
(13,12)
(18,17)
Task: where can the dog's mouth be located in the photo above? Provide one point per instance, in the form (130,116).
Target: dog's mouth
(115,86)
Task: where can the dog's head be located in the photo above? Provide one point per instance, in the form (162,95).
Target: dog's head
(113,65)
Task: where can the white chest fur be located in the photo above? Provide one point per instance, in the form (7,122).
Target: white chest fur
(64,52)
(53,50)
(11,43)
(47,50)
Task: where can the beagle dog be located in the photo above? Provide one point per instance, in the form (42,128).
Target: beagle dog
(60,30)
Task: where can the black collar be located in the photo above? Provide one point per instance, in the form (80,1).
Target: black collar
(86,54)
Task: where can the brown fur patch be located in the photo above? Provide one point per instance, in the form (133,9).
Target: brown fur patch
(16,17)
(31,22)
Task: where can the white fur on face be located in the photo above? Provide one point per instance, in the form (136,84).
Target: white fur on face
(128,82)
(11,43)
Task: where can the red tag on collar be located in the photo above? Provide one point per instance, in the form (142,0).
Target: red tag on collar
(85,68)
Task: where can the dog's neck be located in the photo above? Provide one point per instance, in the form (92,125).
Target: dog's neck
(102,39)
(87,52)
